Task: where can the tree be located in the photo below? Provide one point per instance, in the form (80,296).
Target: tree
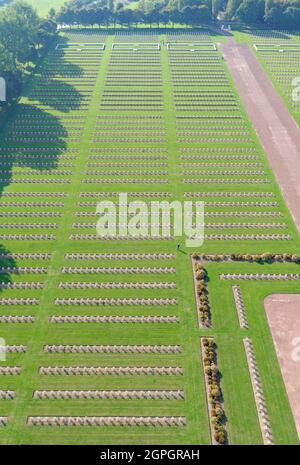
(107,16)
(164,17)
(268,5)
(190,15)
(274,15)
(52,13)
(125,17)
(111,5)
(19,25)
(46,32)
(184,3)
(152,17)
(275,12)
(138,17)
(23,38)
(231,8)
(204,14)
(196,15)
(173,5)
(175,17)
(292,17)
(66,16)
(7,62)
(84,16)
(216,6)
(251,11)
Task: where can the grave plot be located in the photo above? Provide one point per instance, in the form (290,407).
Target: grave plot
(104,334)
(120,290)
(129,36)
(91,311)
(219,154)
(208,129)
(274,36)
(85,35)
(67,72)
(142,71)
(39,153)
(149,129)
(133,86)
(22,280)
(37,129)
(128,166)
(283,69)
(228,217)
(238,307)
(69,371)
(132,166)
(279,52)
(149,223)
(181,35)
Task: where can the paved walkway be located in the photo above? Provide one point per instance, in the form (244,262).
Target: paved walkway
(276,129)
(283,316)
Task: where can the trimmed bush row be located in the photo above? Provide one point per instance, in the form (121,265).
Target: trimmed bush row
(213,391)
(259,258)
(203,307)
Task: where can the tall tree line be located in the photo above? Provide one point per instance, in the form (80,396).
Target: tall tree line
(24,37)
(278,13)
(149,12)
(284,13)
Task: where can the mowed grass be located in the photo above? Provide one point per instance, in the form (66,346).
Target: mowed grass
(243,427)
(43,6)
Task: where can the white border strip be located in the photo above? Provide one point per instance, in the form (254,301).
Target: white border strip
(135,46)
(87,45)
(205,46)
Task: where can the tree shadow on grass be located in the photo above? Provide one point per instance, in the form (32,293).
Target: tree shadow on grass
(26,126)
(12,155)
(58,95)
(15,146)
(49,87)
(6,261)
(274,34)
(268,33)
(30,126)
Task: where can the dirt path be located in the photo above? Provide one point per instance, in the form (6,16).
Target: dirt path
(276,129)
(283,316)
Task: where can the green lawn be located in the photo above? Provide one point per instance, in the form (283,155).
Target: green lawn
(43,6)
(87,85)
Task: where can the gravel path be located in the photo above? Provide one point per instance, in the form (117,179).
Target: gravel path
(274,125)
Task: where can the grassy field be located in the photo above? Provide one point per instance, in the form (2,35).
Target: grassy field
(43,6)
(110,121)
